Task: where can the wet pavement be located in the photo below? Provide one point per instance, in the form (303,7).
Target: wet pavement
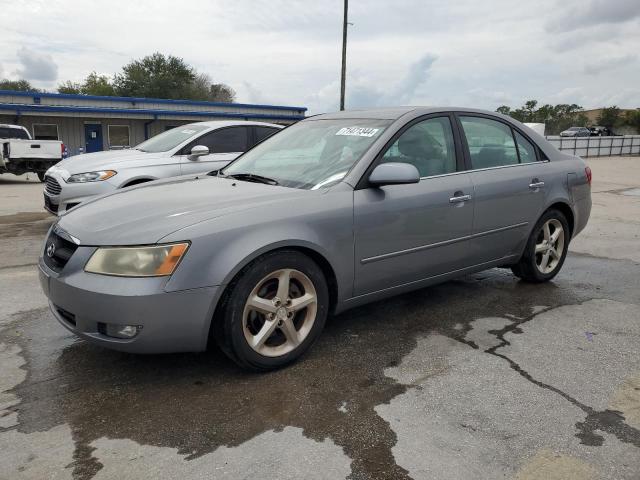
(482,377)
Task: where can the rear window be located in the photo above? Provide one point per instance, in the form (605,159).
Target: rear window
(8,132)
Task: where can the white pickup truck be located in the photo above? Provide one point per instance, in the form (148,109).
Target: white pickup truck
(20,154)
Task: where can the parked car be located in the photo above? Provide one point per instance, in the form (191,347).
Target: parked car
(576,132)
(194,148)
(335,211)
(599,131)
(20,154)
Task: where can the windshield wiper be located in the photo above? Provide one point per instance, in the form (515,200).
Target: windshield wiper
(252,177)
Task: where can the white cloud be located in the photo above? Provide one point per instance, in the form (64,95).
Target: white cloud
(278,51)
(36,66)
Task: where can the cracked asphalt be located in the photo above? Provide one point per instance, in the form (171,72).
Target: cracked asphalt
(482,377)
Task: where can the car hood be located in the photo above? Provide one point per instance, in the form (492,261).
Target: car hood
(144,214)
(89,162)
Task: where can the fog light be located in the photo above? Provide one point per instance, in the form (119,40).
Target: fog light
(119,331)
(128,331)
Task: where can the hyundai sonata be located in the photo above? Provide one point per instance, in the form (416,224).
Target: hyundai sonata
(335,211)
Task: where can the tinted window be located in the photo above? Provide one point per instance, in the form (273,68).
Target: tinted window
(226,140)
(427,145)
(7,132)
(264,132)
(490,142)
(526,150)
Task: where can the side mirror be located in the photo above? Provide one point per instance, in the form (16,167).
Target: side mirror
(393,173)
(199,150)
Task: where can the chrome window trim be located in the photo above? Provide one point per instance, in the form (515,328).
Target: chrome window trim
(506,166)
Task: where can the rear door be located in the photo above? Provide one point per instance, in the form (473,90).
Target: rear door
(508,181)
(224,144)
(406,233)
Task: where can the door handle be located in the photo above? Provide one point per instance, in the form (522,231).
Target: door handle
(535,184)
(460,199)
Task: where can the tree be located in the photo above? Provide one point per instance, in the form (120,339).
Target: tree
(19,85)
(96,84)
(610,117)
(219,92)
(632,118)
(555,117)
(155,76)
(70,87)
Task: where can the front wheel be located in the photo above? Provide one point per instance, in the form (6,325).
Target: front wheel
(276,309)
(546,249)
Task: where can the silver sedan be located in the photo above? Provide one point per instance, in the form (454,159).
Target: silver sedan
(333,212)
(194,148)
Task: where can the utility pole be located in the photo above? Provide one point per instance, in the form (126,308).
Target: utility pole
(344,54)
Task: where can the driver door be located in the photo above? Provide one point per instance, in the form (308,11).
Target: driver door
(408,233)
(224,144)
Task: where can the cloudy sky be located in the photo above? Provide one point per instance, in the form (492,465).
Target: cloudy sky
(409,52)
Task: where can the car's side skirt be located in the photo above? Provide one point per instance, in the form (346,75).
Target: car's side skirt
(425,282)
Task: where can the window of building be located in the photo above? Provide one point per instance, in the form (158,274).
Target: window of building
(427,145)
(119,136)
(490,142)
(45,131)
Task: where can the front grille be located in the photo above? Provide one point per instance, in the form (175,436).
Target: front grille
(49,205)
(57,251)
(52,186)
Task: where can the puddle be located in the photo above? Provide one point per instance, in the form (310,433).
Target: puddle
(198,403)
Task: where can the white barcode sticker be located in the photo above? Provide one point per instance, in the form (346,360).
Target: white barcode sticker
(358,131)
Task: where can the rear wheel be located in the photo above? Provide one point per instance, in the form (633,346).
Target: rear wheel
(40,176)
(275,311)
(546,249)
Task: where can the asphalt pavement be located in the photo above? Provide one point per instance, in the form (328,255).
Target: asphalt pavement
(482,377)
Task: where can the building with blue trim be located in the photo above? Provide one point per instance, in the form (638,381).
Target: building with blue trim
(92,123)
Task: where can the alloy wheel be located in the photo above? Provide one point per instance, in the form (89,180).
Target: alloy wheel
(549,246)
(280,312)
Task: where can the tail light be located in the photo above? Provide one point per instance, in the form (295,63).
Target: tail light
(62,150)
(587,170)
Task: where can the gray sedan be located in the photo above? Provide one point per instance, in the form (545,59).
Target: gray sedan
(333,212)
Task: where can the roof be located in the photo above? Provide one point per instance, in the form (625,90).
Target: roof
(33,103)
(231,123)
(137,100)
(393,113)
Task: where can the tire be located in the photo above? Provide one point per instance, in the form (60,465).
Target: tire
(40,176)
(532,267)
(254,327)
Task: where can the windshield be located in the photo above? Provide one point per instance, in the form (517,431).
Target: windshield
(574,129)
(310,154)
(170,139)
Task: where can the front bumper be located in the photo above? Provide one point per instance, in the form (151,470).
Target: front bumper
(72,194)
(167,321)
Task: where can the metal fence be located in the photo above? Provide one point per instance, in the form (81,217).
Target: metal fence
(598,146)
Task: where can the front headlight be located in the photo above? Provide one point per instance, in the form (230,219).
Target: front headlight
(152,261)
(91,176)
